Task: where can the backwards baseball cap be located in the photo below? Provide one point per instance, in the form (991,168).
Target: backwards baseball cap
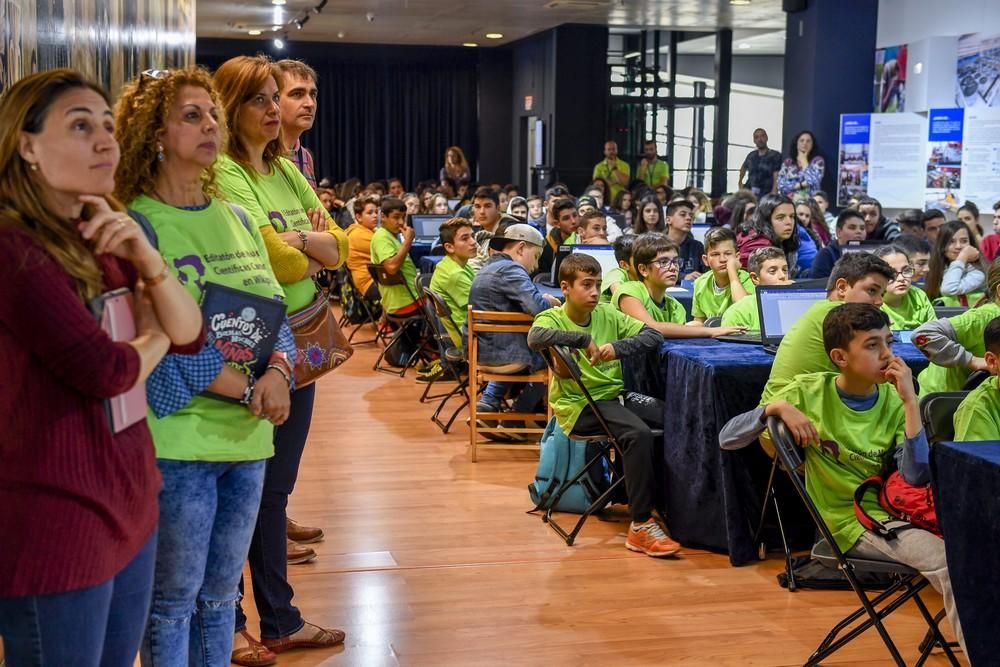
(517,232)
(586,200)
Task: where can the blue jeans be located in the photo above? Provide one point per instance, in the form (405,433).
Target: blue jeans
(207,514)
(269,549)
(101,625)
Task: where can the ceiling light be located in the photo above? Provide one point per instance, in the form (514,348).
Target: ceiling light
(494,35)
(739,2)
(277,2)
(279,43)
(253,33)
(340,35)
(634,54)
(469,44)
(744,45)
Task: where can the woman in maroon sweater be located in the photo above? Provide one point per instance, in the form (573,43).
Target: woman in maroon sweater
(78,503)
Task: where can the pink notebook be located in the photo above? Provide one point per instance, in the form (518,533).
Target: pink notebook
(114,312)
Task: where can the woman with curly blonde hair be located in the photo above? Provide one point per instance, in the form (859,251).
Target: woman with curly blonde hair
(455,166)
(211,453)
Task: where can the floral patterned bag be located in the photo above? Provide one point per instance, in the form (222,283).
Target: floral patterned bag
(320,344)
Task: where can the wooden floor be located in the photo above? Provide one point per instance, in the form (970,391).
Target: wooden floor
(431,560)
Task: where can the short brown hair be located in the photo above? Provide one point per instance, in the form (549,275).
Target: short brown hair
(717,236)
(362,201)
(578,262)
(449,229)
(295,67)
(591,215)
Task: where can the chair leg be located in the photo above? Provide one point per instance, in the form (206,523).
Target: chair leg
(933,637)
(789,568)
(459,389)
(597,505)
(768,493)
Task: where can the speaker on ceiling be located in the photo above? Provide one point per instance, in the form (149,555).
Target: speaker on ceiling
(791,6)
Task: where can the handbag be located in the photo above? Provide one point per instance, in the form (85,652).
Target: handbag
(320,345)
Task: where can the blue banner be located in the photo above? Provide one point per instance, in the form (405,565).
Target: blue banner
(855,128)
(945,124)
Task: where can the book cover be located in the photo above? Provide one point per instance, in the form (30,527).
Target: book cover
(115,312)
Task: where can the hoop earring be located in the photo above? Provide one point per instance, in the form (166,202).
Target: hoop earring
(160,157)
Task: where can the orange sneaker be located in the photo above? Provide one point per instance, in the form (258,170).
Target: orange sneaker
(650,539)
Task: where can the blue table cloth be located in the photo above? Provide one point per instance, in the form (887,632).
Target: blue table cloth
(419,250)
(966,481)
(713,497)
(428,263)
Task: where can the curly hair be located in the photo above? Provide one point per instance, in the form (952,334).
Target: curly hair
(140,121)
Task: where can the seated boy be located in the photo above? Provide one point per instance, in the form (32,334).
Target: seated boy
(452,278)
(850,227)
(593,228)
(847,421)
(359,242)
(625,270)
(978,417)
(767,266)
(859,277)
(604,336)
(394,257)
(919,251)
(656,259)
(564,224)
(725,283)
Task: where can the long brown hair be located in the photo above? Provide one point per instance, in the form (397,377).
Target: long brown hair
(939,263)
(462,162)
(237,80)
(24,107)
(992,294)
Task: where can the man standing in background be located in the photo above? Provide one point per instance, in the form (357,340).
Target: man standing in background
(616,172)
(759,172)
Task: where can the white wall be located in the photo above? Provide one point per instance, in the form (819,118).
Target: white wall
(905,21)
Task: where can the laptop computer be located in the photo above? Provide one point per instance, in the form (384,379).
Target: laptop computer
(778,307)
(604,254)
(698,232)
(427,226)
(453,204)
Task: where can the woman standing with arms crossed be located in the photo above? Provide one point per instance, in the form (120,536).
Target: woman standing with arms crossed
(78,508)
(301,240)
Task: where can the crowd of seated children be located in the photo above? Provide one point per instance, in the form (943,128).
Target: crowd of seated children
(859,277)
(867,408)
(767,266)
(978,417)
(955,276)
(850,226)
(726,283)
(604,336)
(646,299)
(394,256)
(907,306)
(955,344)
(504,284)
(593,229)
(452,277)
(625,270)
(691,251)
(359,241)
(773,223)
(919,252)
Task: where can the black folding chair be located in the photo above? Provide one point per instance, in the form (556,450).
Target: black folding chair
(563,365)
(416,320)
(937,412)
(907,582)
(452,359)
(370,311)
(714,321)
(975,379)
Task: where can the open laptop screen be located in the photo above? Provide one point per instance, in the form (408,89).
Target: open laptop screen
(604,254)
(427,226)
(782,306)
(698,232)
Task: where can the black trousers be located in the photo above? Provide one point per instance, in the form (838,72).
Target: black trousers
(630,424)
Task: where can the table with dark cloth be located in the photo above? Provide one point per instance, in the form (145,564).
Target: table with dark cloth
(966,481)
(419,250)
(428,263)
(713,497)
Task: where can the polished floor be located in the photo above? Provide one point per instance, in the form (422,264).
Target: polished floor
(431,560)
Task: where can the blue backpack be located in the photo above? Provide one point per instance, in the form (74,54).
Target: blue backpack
(560,459)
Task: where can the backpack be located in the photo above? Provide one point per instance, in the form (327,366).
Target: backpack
(559,460)
(902,500)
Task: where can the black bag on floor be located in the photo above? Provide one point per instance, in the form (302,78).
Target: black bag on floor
(811,573)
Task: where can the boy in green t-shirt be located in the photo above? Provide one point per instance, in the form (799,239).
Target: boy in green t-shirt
(603,335)
(849,422)
(452,278)
(593,229)
(394,256)
(906,306)
(656,259)
(625,270)
(978,417)
(726,283)
(767,266)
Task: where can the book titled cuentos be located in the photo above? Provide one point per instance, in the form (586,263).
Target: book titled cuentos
(243,327)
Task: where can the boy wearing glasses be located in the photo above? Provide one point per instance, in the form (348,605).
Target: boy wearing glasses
(907,306)
(658,266)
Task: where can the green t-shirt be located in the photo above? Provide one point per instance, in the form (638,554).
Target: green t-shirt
(615,276)
(801,350)
(913,310)
(654,173)
(601,170)
(604,381)
(707,302)
(280,199)
(670,310)
(978,417)
(852,448)
(452,283)
(394,297)
(203,246)
(743,313)
(971,299)
(969,327)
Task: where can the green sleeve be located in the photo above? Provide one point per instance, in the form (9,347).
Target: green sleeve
(382,247)
(628,288)
(626,326)
(234,182)
(747,282)
(677,312)
(973,422)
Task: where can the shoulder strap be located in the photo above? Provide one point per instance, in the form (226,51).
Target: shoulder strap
(147,227)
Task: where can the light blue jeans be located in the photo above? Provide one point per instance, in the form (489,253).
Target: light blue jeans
(207,516)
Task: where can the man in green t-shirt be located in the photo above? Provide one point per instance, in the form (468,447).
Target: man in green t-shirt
(452,277)
(652,170)
(847,422)
(858,277)
(616,172)
(725,283)
(394,256)
(767,266)
(603,335)
(978,417)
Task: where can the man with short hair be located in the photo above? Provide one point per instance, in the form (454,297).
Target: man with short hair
(877,226)
(690,250)
(616,172)
(850,227)
(652,171)
(934,220)
(298,112)
(486,208)
(760,167)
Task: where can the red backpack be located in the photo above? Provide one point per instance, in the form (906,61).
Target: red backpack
(902,500)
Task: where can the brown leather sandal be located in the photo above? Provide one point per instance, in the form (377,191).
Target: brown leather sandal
(255,654)
(322,638)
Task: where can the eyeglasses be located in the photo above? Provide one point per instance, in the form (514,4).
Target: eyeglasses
(905,272)
(152,74)
(667,262)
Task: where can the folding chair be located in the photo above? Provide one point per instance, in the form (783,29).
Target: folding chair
(937,412)
(975,379)
(715,321)
(370,311)
(403,323)
(489,321)
(907,582)
(562,365)
(452,358)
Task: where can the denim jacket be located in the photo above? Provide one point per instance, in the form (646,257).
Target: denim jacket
(505,285)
